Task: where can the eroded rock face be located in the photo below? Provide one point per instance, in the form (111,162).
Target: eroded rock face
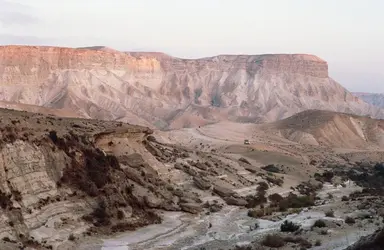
(158,90)
(56,179)
(371,242)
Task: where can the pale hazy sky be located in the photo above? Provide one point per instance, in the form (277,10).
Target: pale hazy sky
(349,34)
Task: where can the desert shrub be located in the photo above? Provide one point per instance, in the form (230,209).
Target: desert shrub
(327,176)
(6,239)
(273,240)
(17,195)
(298,240)
(319,223)
(289,226)
(274,180)
(5,200)
(99,216)
(256,213)
(53,136)
(275,198)
(71,237)
(120,214)
(330,213)
(350,220)
(263,186)
(324,232)
(294,201)
(344,198)
(318,243)
(255,200)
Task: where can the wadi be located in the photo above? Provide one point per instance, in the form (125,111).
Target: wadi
(103,149)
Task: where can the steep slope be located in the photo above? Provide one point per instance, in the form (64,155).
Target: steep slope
(156,89)
(330,129)
(56,180)
(374,99)
(69,179)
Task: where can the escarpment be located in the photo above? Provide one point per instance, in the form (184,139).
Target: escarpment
(158,90)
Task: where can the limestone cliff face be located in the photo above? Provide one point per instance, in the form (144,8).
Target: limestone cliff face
(155,89)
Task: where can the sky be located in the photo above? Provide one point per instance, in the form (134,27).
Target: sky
(348,34)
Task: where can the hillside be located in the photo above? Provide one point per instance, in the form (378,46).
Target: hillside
(157,90)
(374,99)
(330,129)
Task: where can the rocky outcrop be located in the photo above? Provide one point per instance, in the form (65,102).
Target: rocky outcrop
(201,183)
(158,90)
(58,176)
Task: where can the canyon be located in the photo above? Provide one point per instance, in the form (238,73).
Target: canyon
(102,149)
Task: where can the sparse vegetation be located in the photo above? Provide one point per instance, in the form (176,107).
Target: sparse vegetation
(294,201)
(330,213)
(256,213)
(319,223)
(71,237)
(344,198)
(350,220)
(273,240)
(289,226)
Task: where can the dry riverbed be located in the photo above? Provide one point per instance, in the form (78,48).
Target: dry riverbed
(232,227)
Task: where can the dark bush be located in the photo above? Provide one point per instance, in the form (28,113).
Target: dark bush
(330,213)
(289,226)
(273,240)
(274,180)
(350,220)
(71,237)
(263,186)
(319,223)
(344,198)
(53,136)
(256,213)
(120,214)
(5,200)
(275,198)
(294,201)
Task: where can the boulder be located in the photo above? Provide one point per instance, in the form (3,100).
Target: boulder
(201,183)
(133,160)
(223,191)
(242,159)
(201,166)
(192,208)
(236,201)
